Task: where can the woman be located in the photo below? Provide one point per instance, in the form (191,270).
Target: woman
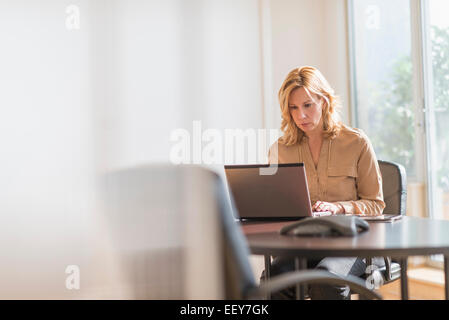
(342,170)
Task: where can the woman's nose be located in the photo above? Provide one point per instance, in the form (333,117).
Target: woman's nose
(300,114)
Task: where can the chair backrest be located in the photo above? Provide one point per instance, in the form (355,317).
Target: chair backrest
(394,187)
(166,231)
(239,277)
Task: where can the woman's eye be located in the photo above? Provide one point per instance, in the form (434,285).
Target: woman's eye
(307,105)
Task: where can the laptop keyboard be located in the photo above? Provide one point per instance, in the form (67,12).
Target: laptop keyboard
(321,213)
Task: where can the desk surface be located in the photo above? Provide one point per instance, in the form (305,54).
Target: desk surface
(406,237)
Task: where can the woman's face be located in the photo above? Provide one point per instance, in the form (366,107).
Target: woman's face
(305,111)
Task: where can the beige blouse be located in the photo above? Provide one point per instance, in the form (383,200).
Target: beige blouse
(347,171)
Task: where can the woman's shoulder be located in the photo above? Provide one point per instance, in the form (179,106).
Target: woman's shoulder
(280,145)
(285,153)
(349,134)
(351,140)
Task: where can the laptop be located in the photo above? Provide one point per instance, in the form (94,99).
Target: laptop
(283,195)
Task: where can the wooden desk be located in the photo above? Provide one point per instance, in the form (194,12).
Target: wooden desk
(409,236)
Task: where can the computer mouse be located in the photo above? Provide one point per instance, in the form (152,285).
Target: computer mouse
(327,226)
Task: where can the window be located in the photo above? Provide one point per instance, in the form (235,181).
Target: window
(383,78)
(400,72)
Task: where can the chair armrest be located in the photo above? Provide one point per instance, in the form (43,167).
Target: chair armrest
(388,275)
(289,279)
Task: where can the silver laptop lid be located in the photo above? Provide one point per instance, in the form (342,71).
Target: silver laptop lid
(284,194)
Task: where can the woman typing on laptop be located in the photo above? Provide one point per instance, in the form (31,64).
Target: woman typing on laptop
(342,171)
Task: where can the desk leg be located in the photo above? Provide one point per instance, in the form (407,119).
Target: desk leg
(267,259)
(300,264)
(446,276)
(404,280)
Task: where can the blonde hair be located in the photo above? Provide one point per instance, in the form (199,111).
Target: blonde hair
(313,82)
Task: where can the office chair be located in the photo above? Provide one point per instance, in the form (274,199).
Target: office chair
(164,232)
(174,236)
(394,187)
(240,282)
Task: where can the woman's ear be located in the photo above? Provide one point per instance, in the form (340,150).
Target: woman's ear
(324,103)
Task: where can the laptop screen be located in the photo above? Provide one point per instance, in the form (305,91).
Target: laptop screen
(281,195)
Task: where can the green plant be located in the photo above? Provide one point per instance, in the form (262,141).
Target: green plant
(392,114)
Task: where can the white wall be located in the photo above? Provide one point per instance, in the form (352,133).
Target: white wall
(47,150)
(311,33)
(169,63)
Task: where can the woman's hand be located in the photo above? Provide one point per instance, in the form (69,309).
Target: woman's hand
(320,206)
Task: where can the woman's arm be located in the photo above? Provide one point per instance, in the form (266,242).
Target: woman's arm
(368,184)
